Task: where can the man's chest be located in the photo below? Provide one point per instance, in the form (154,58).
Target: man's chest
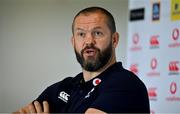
(81,99)
(75,99)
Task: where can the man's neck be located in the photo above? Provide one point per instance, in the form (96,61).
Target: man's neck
(90,75)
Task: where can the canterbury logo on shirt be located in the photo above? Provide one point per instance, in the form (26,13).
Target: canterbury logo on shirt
(63,96)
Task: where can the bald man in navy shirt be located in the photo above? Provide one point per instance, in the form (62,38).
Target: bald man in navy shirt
(103,86)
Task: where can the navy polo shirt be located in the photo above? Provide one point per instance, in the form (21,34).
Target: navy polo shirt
(115,90)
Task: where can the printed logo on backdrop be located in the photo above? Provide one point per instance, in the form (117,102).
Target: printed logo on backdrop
(153,66)
(154,42)
(152,112)
(152,93)
(135,43)
(156,11)
(134,68)
(175,10)
(137,14)
(173,90)
(174,68)
(175,36)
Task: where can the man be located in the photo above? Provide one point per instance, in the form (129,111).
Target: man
(103,86)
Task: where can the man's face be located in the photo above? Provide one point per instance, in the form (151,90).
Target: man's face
(92,41)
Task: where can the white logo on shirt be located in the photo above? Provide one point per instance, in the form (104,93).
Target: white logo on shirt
(63,96)
(96,81)
(88,95)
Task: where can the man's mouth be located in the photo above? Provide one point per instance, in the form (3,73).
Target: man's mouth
(90,52)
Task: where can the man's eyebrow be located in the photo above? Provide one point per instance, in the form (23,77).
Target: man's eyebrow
(79,29)
(98,27)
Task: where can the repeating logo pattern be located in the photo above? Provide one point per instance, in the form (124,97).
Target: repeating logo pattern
(154,52)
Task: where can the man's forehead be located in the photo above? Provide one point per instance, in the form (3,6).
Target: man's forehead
(90,18)
(93,20)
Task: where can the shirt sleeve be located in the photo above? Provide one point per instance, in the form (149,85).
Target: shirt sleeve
(47,95)
(51,93)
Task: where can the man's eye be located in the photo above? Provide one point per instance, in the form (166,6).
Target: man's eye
(81,34)
(97,33)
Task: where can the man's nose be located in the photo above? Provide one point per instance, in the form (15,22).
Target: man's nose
(89,39)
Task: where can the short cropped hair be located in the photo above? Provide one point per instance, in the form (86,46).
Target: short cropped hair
(110,18)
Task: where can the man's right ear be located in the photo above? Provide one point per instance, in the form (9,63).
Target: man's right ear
(72,41)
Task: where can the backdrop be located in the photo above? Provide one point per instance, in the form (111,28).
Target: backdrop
(154,50)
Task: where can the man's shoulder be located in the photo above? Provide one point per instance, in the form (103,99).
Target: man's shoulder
(124,78)
(120,73)
(66,82)
(60,84)
(63,81)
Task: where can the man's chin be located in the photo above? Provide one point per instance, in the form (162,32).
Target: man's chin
(89,67)
(90,60)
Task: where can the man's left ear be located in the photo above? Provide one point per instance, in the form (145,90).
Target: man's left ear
(115,39)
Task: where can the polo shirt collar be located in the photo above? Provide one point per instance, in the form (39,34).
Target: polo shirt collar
(98,79)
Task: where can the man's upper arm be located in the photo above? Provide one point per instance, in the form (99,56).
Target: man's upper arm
(124,101)
(94,110)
